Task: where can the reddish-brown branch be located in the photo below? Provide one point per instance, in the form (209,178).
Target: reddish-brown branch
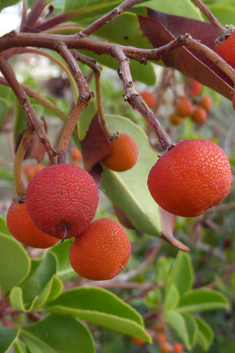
(110,16)
(33,15)
(92,63)
(33,121)
(135,100)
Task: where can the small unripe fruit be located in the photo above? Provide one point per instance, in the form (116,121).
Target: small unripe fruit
(124,153)
(165,348)
(193,87)
(190,178)
(101,251)
(178,348)
(75,154)
(183,107)
(160,338)
(206,103)
(62,200)
(24,230)
(199,115)
(175,119)
(149,98)
(159,327)
(138,341)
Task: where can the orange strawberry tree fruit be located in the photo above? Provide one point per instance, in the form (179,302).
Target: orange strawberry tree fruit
(113,204)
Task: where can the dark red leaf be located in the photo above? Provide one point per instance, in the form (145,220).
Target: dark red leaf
(95,145)
(161,28)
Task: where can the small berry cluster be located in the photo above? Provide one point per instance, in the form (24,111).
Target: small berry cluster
(61,202)
(191,105)
(76,157)
(30,170)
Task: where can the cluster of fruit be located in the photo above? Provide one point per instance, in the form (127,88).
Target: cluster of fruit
(61,202)
(191,105)
(30,170)
(76,157)
(160,339)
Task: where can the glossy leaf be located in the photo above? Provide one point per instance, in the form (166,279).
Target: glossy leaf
(35,284)
(20,347)
(64,269)
(181,275)
(56,288)
(128,191)
(225,13)
(192,328)
(58,333)
(3,226)
(100,307)
(15,262)
(162,269)
(177,322)
(172,298)
(202,300)
(3,110)
(7,337)
(205,334)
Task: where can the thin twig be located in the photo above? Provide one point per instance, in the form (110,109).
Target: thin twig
(33,15)
(92,63)
(33,121)
(213,20)
(135,100)
(108,17)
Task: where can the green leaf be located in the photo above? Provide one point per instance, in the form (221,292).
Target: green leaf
(58,333)
(3,226)
(177,322)
(181,8)
(128,190)
(3,110)
(35,284)
(153,299)
(202,300)
(181,275)
(20,122)
(61,251)
(6,174)
(15,262)
(163,267)
(172,298)
(16,299)
(7,337)
(56,288)
(100,307)
(192,329)
(205,334)
(20,347)
(223,12)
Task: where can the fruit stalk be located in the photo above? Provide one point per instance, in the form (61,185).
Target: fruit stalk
(213,56)
(33,121)
(135,100)
(20,189)
(110,134)
(213,20)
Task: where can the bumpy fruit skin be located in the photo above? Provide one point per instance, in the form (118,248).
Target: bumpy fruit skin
(124,153)
(190,178)
(149,98)
(183,107)
(24,230)
(98,252)
(199,115)
(62,196)
(226,49)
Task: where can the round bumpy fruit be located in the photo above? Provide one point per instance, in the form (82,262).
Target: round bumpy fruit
(178,348)
(225,46)
(190,178)
(149,98)
(193,87)
(206,103)
(62,200)
(23,229)
(175,119)
(124,153)
(101,251)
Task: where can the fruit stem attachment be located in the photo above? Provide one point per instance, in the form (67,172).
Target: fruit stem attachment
(109,133)
(20,189)
(213,56)
(209,15)
(123,268)
(135,100)
(65,233)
